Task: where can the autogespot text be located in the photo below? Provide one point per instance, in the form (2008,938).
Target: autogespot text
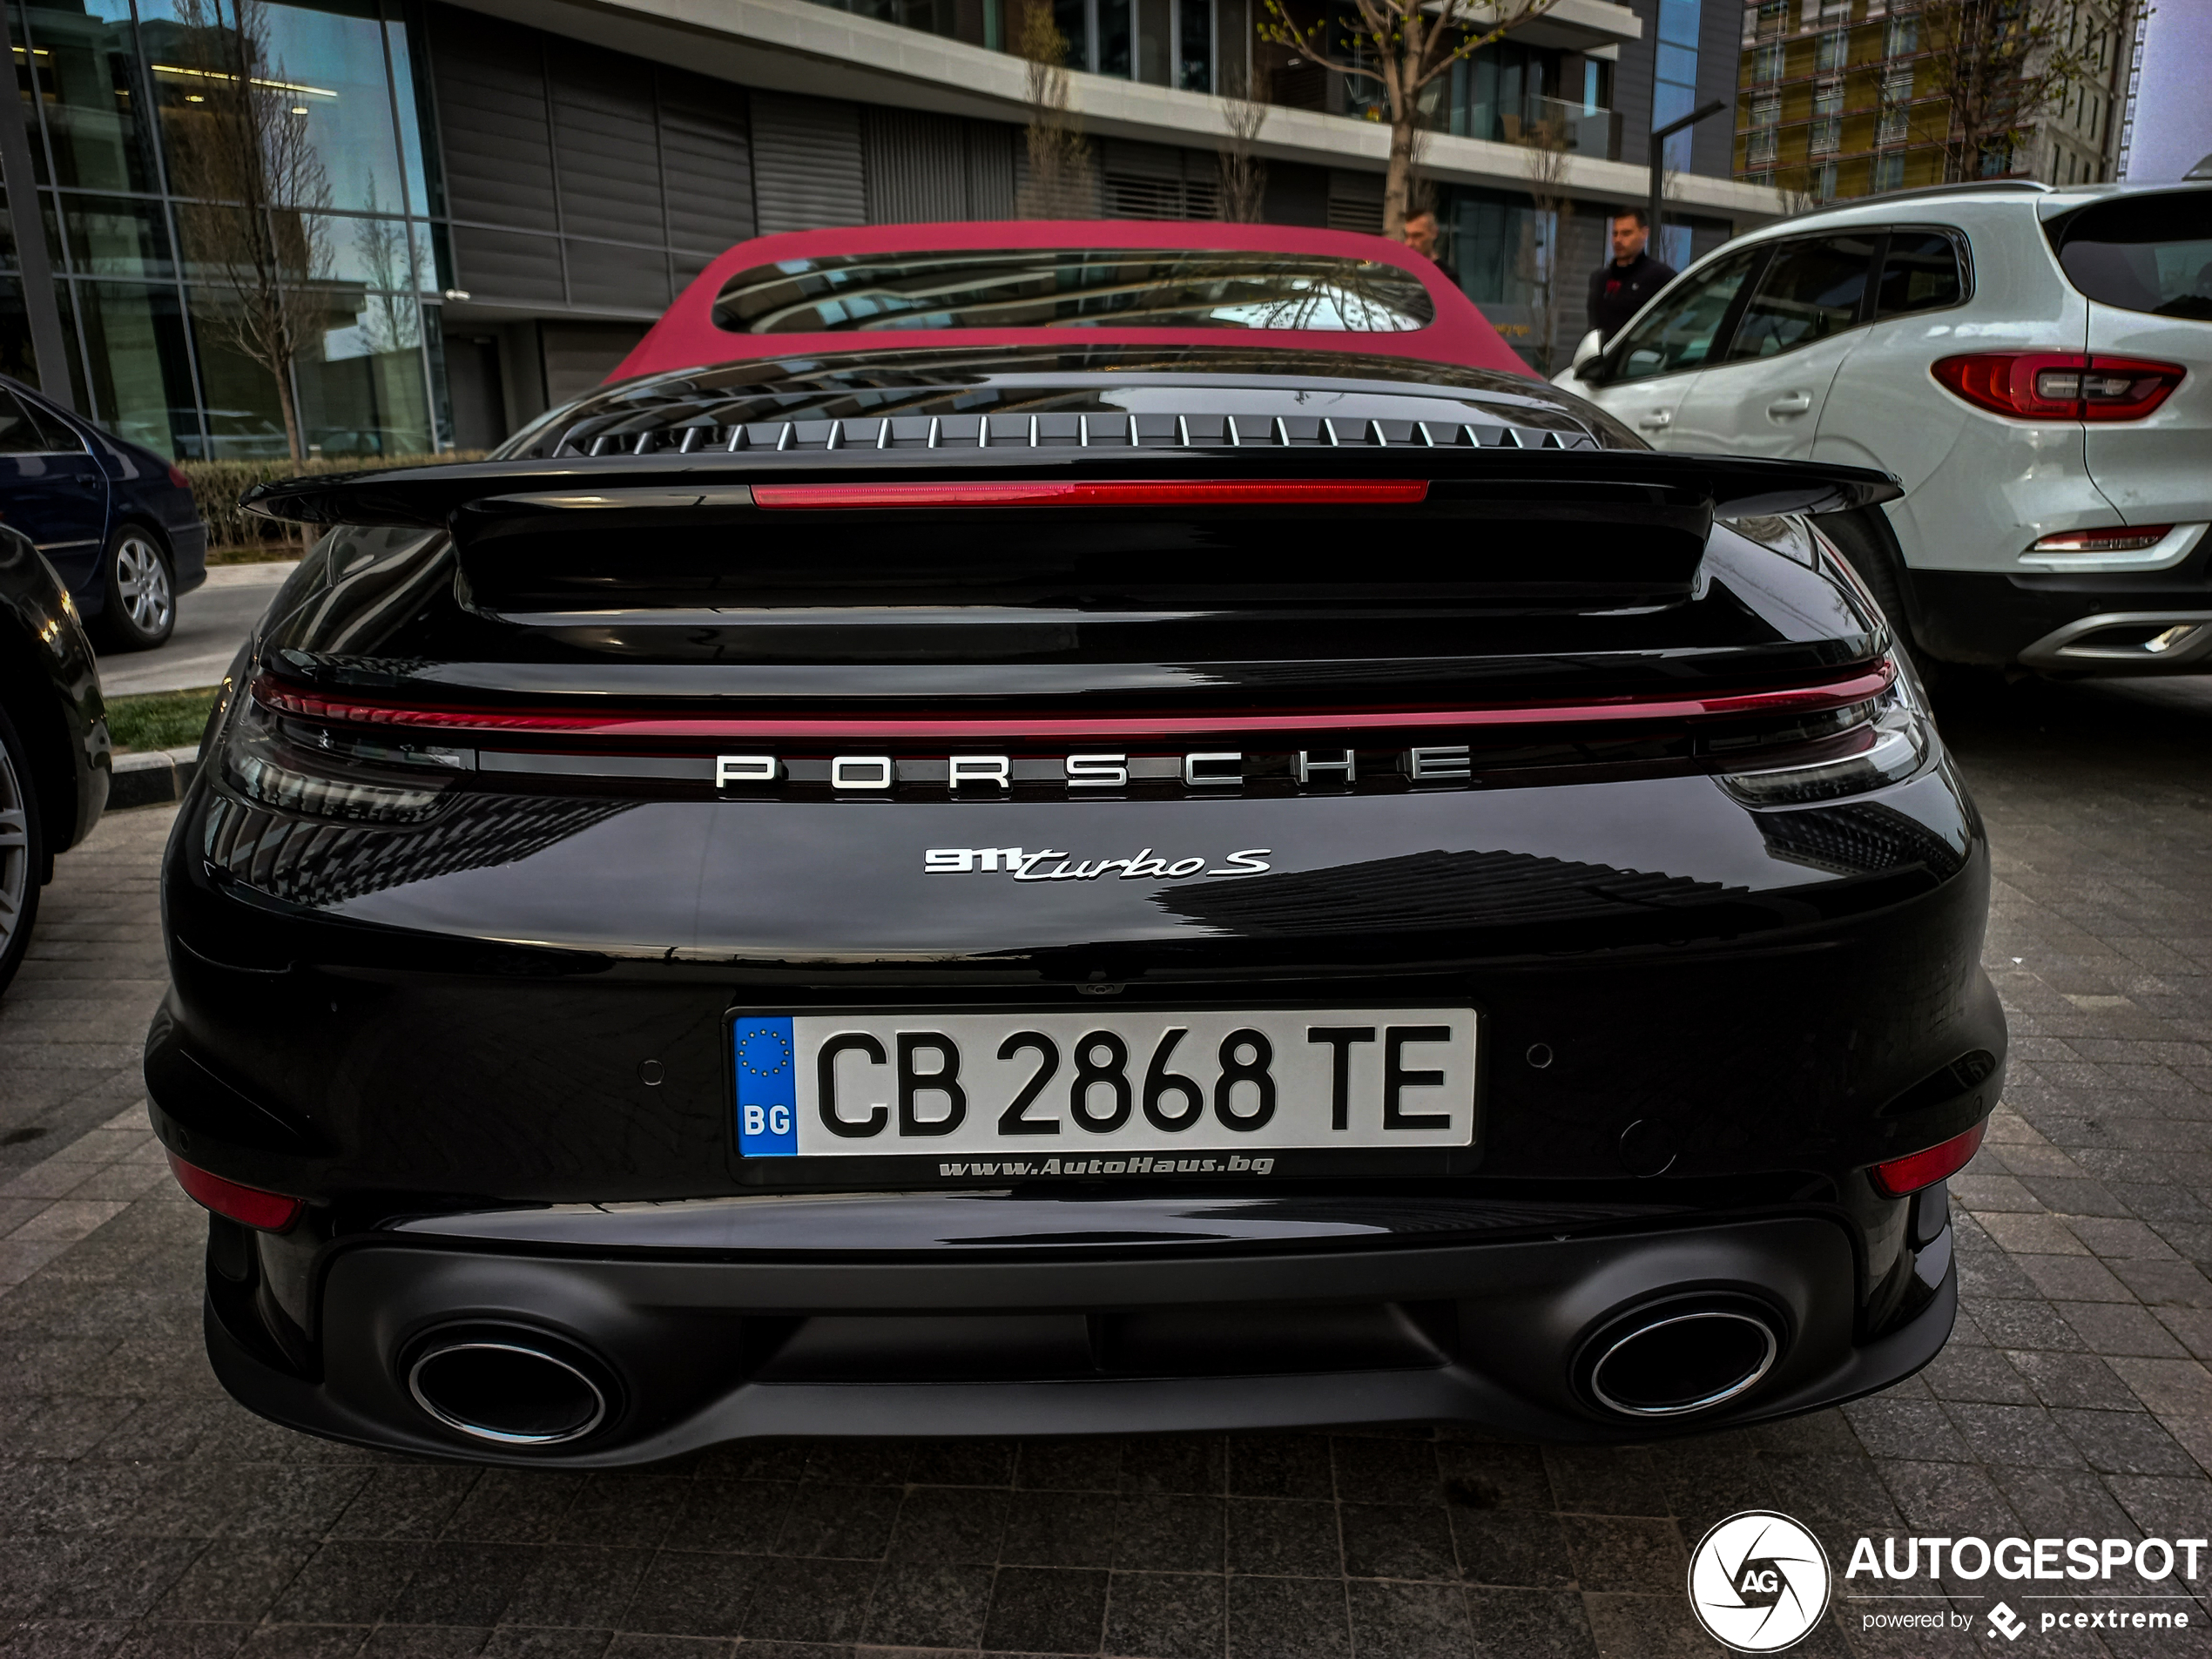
(2081,1559)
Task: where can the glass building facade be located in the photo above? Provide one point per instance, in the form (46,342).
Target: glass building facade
(143,270)
(486,213)
(1674,94)
(1169,43)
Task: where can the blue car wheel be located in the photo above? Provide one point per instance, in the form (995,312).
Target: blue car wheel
(141,609)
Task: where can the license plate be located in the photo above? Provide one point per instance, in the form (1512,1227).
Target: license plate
(1095,1092)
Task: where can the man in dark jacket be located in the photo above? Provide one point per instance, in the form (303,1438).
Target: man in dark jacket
(1619,288)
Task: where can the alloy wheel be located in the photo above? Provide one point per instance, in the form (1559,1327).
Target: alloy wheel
(142,583)
(16,876)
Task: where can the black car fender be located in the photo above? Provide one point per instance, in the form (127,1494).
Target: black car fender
(50,684)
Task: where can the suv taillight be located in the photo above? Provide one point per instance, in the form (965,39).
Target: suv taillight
(2060,385)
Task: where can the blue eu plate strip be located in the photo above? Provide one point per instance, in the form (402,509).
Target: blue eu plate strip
(767,1091)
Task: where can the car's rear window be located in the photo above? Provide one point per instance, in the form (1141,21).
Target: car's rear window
(2149,252)
(1919,272)
(1074,288)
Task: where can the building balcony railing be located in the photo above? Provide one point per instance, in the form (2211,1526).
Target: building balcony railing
(1837,157)
(1900,111)
(1799,26)
(1860,70)
(1582,130)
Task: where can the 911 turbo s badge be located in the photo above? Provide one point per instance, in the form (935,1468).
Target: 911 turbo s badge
(1049,863)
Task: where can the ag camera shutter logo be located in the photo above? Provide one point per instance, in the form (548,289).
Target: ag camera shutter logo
(1759,1582)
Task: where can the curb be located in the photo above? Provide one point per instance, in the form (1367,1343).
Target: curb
(152,779)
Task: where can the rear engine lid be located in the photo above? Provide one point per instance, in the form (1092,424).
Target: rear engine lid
(1108,622)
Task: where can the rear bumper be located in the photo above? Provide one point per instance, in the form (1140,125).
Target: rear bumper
(188,550)
(1497,1335)
(2159,622)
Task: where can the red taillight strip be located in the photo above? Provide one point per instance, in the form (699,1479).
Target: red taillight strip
(2011,383)
(1898,1177)
(2109,538)
(1795,699)
(1300,492)
(270,1211)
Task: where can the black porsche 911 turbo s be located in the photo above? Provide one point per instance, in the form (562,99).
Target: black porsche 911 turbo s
(1064,891)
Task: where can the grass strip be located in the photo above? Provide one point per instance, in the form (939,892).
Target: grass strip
(159,720)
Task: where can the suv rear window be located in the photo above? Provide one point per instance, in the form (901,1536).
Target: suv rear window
(1074,288)
(1919,272)
(2149,253)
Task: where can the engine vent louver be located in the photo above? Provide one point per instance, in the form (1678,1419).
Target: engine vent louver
(1058,431)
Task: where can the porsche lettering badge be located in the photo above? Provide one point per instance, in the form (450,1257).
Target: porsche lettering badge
(967,775)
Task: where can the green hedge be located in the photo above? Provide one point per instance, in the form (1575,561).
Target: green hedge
(217,484)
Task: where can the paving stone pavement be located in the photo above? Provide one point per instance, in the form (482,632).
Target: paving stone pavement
(72,1027)
(141,1513)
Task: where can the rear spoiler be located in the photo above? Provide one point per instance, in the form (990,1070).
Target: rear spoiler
(1080,533)
(1629,487)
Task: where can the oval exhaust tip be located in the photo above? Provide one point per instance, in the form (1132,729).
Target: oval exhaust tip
(504,1390)
(1686,1361)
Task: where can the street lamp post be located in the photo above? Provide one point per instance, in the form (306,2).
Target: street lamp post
(1659,136)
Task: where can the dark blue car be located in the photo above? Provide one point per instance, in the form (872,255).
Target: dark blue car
(118,523)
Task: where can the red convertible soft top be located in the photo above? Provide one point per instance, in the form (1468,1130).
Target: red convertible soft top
(806,292)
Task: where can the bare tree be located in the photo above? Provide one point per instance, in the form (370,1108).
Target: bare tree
(1060,184)
(1669,179)
(1420,189)
(1244,173)
(389,319)
(1546,147)
(1997,67)
(1405,46)
(1797,200)
(242,151)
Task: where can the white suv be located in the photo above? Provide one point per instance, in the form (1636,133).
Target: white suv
(2034,365)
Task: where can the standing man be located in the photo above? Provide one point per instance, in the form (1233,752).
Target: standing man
(1424,237)
(1619,288)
